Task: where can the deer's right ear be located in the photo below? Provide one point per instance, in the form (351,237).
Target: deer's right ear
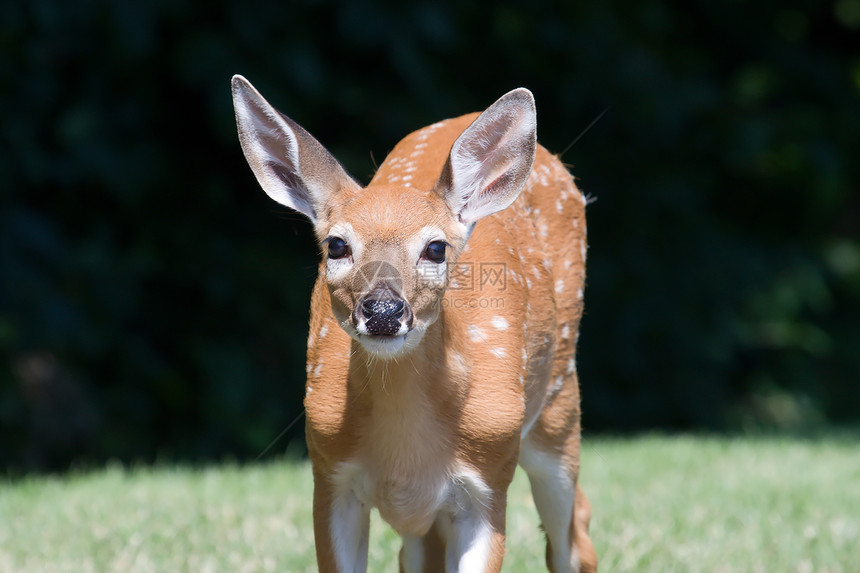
(291,166)
(491,160)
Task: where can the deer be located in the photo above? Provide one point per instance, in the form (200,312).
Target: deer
(424,392)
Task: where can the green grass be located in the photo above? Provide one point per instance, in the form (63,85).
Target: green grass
(660,504)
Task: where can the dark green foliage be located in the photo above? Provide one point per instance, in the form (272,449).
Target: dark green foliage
(153,301)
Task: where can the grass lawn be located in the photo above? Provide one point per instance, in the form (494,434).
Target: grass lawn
(661,504)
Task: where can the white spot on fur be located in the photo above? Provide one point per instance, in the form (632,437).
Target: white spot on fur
(571,366)
(558,206)
(565,331)
(559,286)
(579,294)
(323,331)
(499,322)
(318,369)
(457,361)
(498,352)
(476,334)
(567,264)
(582,249)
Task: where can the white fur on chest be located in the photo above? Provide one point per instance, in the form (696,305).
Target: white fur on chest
(412,502)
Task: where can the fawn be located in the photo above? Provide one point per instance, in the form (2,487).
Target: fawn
(423,391)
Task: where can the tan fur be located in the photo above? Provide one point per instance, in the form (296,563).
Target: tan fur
(494,371)
(412,418)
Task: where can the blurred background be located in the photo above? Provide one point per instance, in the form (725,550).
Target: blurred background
(153,300)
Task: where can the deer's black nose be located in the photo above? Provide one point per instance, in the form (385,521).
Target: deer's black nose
(382,316)
(383,308)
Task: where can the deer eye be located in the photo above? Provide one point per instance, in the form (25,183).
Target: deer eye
(435,252)
(337,248)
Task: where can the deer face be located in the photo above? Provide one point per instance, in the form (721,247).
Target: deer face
(388,249)
(387,253)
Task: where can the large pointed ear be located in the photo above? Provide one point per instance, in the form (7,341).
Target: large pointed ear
(292,167)
(491,160)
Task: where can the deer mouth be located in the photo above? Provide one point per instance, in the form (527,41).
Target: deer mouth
(383,345)
(383,336)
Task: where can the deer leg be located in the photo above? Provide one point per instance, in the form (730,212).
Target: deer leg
(554,493)
(579,533)
(549,454)
(423,554)
(341,528)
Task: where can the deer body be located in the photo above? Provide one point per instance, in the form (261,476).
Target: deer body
(442,338)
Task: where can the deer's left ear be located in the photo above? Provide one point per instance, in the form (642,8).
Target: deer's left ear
(491,160)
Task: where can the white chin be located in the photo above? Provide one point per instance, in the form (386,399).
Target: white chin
(383,346)
(390,346)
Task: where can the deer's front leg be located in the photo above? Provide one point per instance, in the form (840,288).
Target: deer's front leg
(341,527)
(475,543)
(474,527)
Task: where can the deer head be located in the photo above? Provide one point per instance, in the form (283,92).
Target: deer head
(389,249)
